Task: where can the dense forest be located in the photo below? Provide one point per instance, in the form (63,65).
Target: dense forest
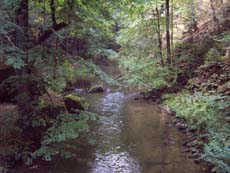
(174,53)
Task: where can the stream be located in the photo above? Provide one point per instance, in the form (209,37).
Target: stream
(133,136)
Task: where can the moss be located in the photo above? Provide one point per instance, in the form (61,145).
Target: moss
(73,102)
(96,89)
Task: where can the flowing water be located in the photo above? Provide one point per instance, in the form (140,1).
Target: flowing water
(133,136)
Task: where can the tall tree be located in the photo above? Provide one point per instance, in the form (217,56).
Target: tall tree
(172,33)
(22,43)
(167,26)
(158,16)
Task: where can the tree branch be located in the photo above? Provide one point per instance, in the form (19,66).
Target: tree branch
(53,12)
(55,27)
(48,32)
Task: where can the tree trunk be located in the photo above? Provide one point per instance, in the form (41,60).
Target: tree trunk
(167,23)
(23,96)
(159,37)
(172,11)
(215,19)
(53,12)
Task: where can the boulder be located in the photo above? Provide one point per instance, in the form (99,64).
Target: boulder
(74,102)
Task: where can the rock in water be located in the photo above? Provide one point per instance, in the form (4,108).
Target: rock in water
(74,102)
(96,89)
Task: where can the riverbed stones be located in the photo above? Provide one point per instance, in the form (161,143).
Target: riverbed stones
(167,110)
(196,138)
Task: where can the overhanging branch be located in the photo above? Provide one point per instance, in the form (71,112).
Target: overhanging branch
(55,27)
(48,32)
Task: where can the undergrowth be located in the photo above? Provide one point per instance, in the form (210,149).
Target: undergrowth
(61,138)
(211,112)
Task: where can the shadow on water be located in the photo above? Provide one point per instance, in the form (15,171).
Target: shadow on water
(133,136)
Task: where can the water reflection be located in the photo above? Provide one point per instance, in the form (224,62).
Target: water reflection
(111,156)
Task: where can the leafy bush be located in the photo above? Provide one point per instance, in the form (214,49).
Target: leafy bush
(217,151)
(199,110)
(60,138)
(210,112)
(146,74)
(64,73)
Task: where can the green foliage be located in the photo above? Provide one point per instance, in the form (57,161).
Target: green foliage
(217,151)
(60,139)
(224,37)
(139,57)
(66,127)
(89,69)
(199,110)
(63,73)
(213,55)
(68,70)
(211,112)
(89,21)
(146,74)
(12,56)
(57,85)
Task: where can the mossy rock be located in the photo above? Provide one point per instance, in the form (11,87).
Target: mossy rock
(96,89)
(74,102)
